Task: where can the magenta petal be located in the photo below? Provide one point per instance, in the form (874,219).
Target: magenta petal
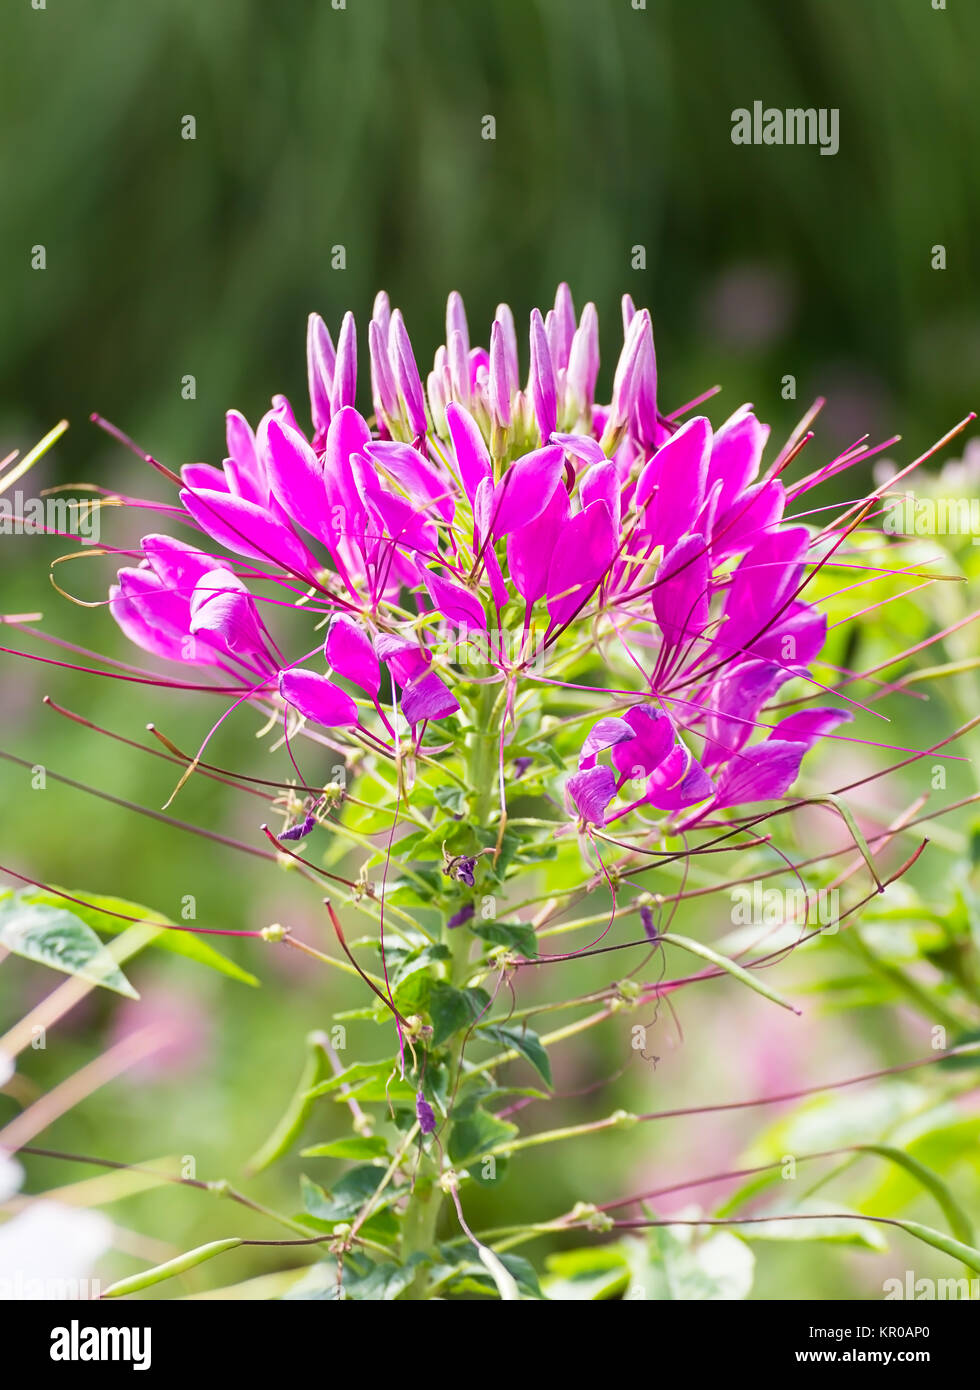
(760,773)
(402,656)
(653,738)
(604,734)
(797,638)
(153,617)
(530,549)
(589,793)
(526,489)
(541,383)
(348,435)
(350,654)
(344,387)
(583,553)
(680,598)
(735,701)
(295,477)
(204,475)
(222,606)
(757,509)
(317,698)
(678,782)
(459,605)
(602,484)
(248,529)
(736,453)
(681,481)
(810,724)
(321,359)
(472,455)
(580,446)
(176,564)
(764,580)
(428,697)
(414,473)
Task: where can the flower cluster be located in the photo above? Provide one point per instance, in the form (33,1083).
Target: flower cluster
(475,504)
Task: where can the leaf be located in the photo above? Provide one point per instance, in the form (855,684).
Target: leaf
(358,1146)
(681,1263)
(587,1275)
(55,937)
(366,1081)
(966,1254)
(96,910)
(525,1042)
(476,1134)
(747,977)
(347,1195)
(292,1122)
(809,1223)
(959,1223)
(386,1280)
(517,936)
(969,1057)
(451,1009)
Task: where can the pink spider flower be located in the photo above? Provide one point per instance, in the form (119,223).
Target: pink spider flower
(487,499)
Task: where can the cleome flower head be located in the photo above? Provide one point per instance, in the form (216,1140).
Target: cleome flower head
(498,529)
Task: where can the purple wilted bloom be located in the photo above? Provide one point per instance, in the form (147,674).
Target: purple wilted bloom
(424,1114)
(300,830)
(463,869)
(649,929)
(465,914)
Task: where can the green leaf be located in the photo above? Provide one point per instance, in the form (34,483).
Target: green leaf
(347,1195)
(96,910)
(747,977)
(451,1009)
(966,1254)
(358,1146)
(808,1223)
(371,1081)
(683,1263)
(386,1280)
(55,937)
(516,936)
(588,1275)
(970,1057)
(525,1042)
(292,1122)
(959,1223)
(476,1134)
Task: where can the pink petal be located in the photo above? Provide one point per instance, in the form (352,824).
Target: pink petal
(317,698)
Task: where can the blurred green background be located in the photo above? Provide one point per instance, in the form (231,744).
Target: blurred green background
(361,127)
